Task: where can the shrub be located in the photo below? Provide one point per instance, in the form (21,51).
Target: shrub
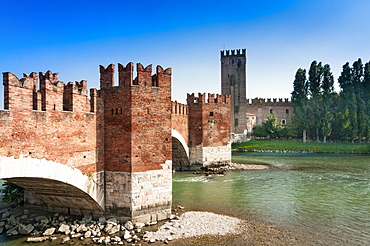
(12,193)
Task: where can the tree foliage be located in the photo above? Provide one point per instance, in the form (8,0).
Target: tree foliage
(12,193)
(345,115)
(300,100)
(270,128)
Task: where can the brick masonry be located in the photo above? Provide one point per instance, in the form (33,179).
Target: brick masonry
(234,83)
(120,141)
(260,108)
(209,129)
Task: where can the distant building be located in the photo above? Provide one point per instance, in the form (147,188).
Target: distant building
(247,113)
(234,83)
(260,108)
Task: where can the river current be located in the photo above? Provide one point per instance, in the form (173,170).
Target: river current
(327,195)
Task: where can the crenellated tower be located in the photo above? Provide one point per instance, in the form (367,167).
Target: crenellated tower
(209,129)
(234,83)
(137,141)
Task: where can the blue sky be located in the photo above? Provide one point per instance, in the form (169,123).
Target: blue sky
(74,37)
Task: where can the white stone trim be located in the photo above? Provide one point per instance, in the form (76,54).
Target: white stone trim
(42,168)
(177,135)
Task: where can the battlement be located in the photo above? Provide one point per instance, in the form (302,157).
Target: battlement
(179,108)
(233,53)
(269,101)
(210,99)
(44,92)
(144,76)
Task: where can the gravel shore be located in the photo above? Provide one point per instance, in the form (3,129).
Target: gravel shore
(191,224)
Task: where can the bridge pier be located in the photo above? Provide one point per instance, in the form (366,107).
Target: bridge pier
(140,196)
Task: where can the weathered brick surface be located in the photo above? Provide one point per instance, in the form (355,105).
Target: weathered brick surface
(66,137)
(209,127)
(234,83)
(137,141)
(137,119)
(180,119)
(209,121)
(121,138)
(261,108)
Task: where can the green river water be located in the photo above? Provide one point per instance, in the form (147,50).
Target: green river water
(327,195)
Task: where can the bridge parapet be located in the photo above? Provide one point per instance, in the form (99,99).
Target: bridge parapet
(44,118)
(44,93)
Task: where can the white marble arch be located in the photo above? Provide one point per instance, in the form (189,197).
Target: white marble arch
(178,136)
(44,172)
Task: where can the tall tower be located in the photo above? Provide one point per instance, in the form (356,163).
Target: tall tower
(234,83)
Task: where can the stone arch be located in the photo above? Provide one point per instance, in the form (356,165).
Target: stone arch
(58,186)
(180,152)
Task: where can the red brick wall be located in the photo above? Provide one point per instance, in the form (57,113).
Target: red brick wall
(65,137)
(179,119)
(209,120)
(137,118)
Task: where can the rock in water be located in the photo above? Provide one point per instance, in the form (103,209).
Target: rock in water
(127,235)
(49,232)
(63,228)
(6,215)
(13,231)
(129,225)
(114,229)
(37,239)
(66,239)
(42,219)
(25,229)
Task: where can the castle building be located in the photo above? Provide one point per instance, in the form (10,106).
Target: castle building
(111,154)
(234,83)
(247,113)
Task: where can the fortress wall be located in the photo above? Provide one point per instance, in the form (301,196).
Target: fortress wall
(261,108)
(34,123)
(137,141)
(179,119)
(209,128)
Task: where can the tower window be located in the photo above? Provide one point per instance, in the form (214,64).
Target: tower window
(283,122)
(210,113)
(287,111)
(271,111)
(232,61)
(236,109)
(236,123)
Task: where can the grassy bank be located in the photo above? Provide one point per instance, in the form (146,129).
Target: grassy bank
(298,146)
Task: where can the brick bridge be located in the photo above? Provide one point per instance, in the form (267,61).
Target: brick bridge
(112,153)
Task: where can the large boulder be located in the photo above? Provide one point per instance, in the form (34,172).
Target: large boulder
(25,229)
(49,231)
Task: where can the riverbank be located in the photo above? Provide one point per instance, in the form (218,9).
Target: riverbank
(186,228)
(297,146)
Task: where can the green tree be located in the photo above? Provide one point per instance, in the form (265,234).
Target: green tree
(357,82)
(348,109)
(327,100)
(366,91)
(259,131)
(314,88)
(12,193)
(300,101)
(272,125)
